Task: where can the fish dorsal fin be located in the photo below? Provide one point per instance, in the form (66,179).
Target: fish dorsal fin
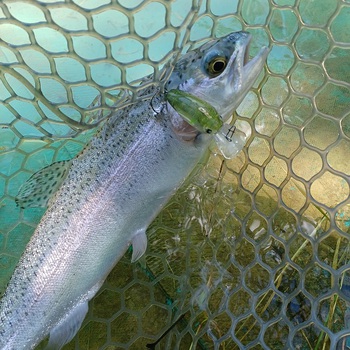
(139,245)
(38,189)
(65,331)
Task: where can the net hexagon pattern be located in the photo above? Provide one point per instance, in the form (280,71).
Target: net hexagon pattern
(252,253)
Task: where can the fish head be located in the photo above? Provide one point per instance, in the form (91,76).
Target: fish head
(219,72)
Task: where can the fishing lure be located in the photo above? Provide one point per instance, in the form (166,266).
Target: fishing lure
(204,117)
(198,113)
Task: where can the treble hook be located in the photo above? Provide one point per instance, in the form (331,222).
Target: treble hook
(151,102)
(230,133)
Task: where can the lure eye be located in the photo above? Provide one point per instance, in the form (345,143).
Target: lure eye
(217,65)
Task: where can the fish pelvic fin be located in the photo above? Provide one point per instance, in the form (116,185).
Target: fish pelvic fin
(139,245)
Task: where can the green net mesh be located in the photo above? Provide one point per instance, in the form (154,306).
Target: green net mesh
(252,253)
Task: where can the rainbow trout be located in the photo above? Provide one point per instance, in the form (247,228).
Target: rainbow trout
(102,201)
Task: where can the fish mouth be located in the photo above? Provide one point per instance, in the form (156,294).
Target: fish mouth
(256,63)
(241,72)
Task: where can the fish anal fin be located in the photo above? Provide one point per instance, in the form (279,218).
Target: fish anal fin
(139,245)
(39,188)
(67,328)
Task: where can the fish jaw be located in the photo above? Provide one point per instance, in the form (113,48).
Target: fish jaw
(240,77)
(226,91)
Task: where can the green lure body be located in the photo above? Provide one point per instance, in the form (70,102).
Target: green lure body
(196,112)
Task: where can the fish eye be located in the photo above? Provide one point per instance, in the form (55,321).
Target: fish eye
(217,65)
(209,131)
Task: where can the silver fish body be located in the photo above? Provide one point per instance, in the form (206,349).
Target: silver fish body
(112,193)
(109,195)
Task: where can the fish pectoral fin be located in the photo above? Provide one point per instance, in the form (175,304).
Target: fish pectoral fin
(139,245)
(67,328)
(39,188)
